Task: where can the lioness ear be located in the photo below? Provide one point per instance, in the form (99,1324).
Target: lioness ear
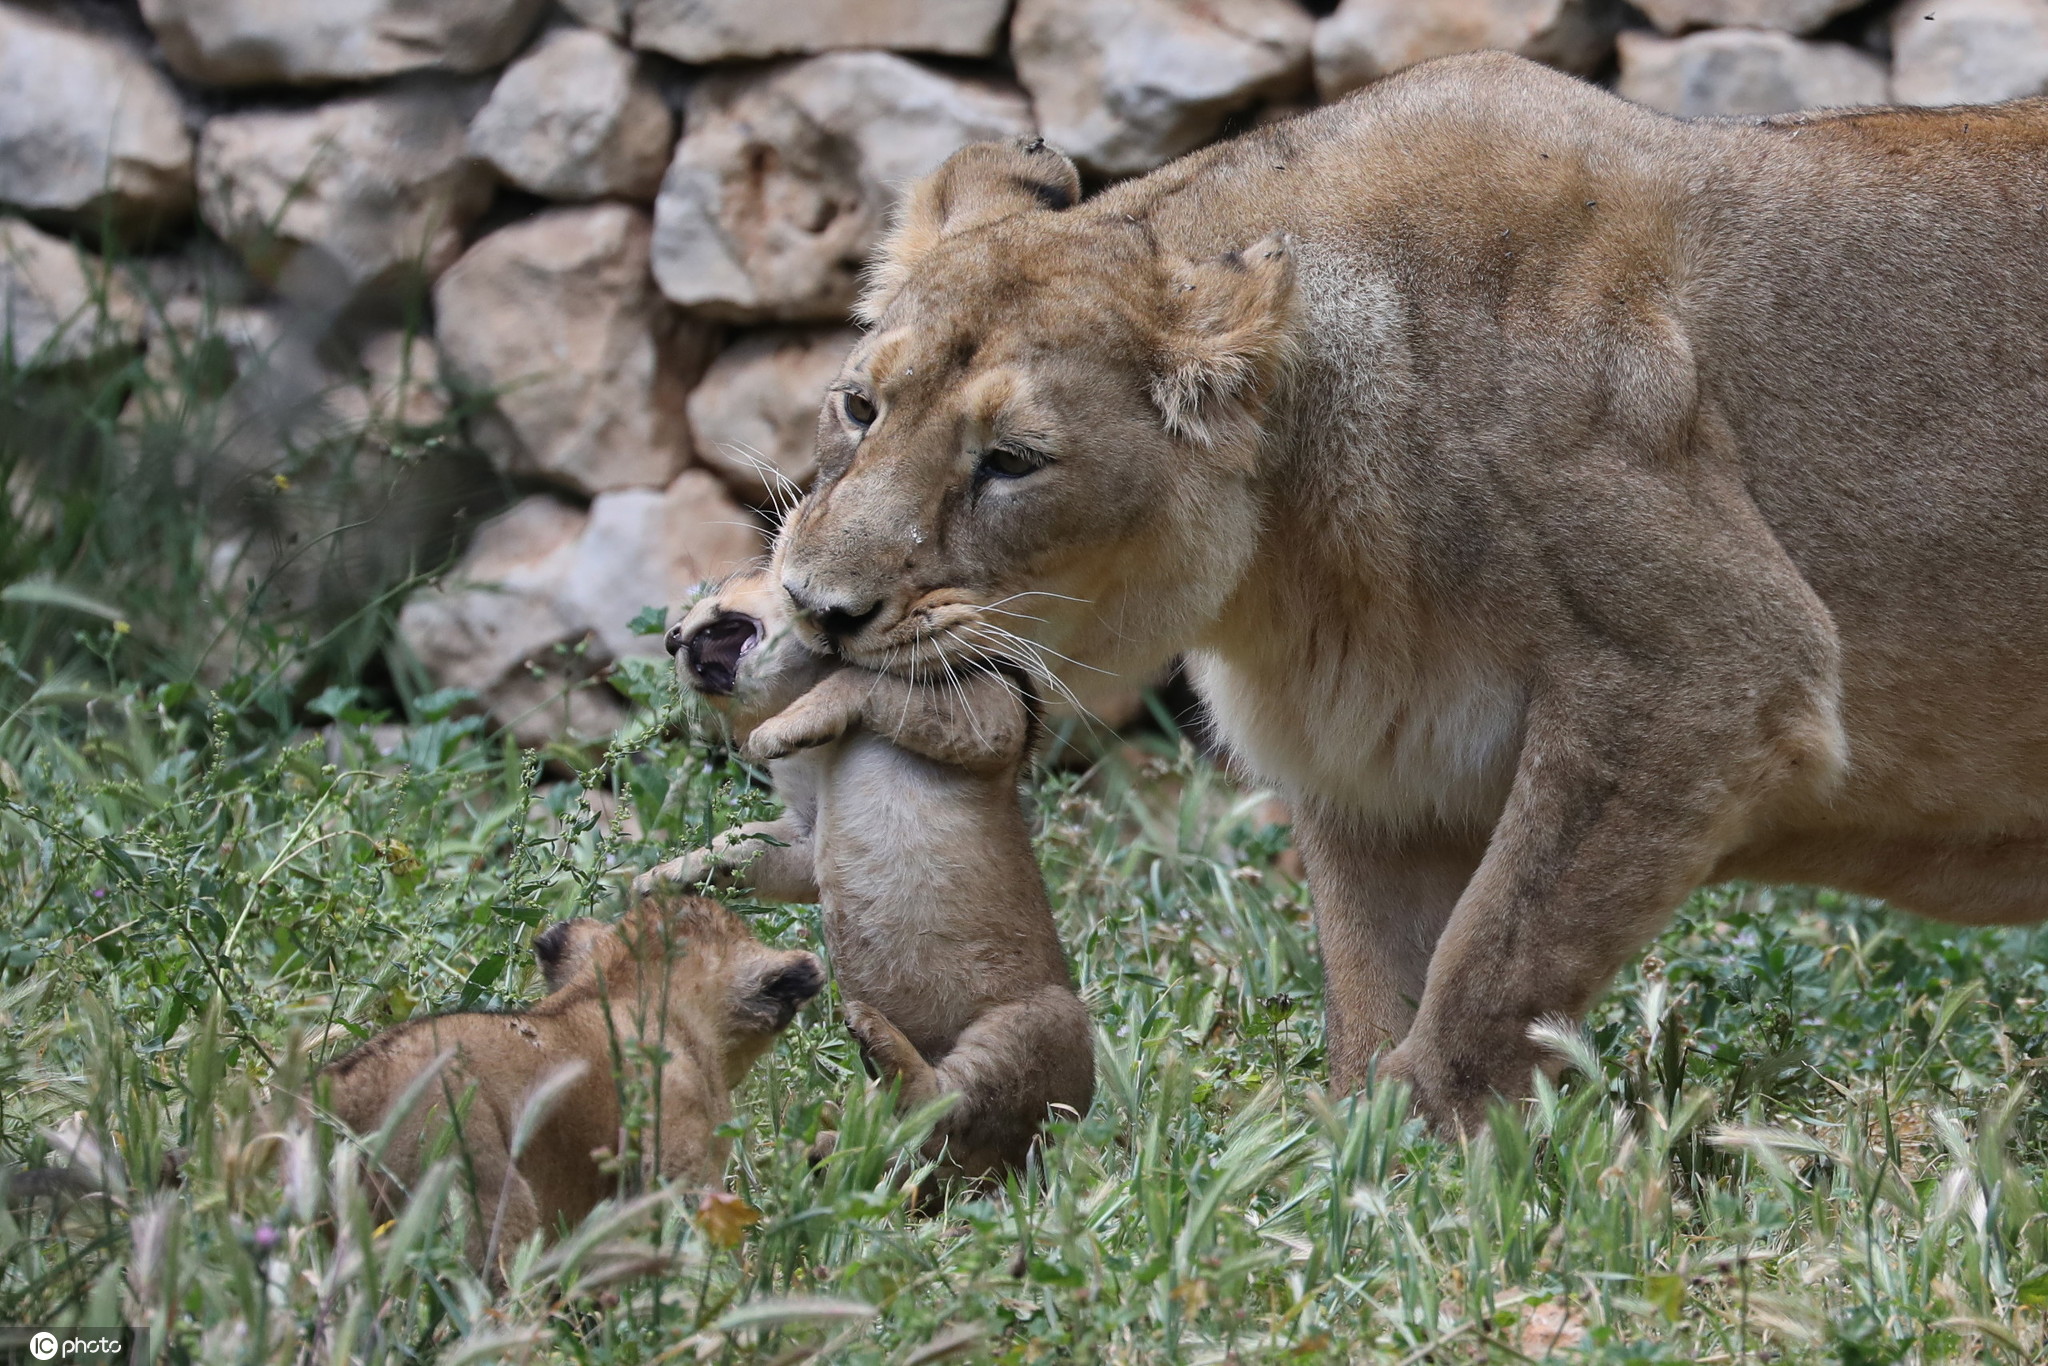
(1229,336)
(980,183)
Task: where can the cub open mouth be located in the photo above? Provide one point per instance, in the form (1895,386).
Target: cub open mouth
(714,652)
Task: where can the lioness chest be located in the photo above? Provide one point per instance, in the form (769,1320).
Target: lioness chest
(1426,732)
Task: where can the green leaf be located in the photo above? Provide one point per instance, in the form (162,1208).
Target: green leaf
(42,592)
(1667,1292)
(649,621)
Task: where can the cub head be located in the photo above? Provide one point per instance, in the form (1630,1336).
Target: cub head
(680,967)
(737,647)
(1046,448)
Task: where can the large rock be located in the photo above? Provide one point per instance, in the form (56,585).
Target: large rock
(590,366)
(263,42)
(359,196)
(1746,71)
(606,16)
(541,602)
(58,304)
(754,416)
(88,130)
(784,178)
(1123,86)
(729,30)
(576,118)
(1793,16)
(1366,39)
(1969,51)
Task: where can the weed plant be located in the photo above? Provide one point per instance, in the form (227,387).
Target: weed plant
(1800,1132)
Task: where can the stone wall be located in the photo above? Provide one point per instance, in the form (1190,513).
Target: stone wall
(632,229)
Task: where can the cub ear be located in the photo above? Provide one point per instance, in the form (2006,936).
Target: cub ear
(1228,338)
(564,947)
(977,185)
(783,986)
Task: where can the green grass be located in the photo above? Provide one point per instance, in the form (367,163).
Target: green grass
(1800,1133)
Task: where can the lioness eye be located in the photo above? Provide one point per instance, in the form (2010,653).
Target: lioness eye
(858,407)
(1012,462)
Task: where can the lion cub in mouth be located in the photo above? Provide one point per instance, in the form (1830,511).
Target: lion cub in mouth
(904,819)
(682,973)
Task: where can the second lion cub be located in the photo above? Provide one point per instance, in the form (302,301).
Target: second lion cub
(904,821)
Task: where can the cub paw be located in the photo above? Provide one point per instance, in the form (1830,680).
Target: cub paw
(685,874)
(883,1041)
(790,733)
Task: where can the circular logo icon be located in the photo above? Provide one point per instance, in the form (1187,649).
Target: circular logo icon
(43,1346)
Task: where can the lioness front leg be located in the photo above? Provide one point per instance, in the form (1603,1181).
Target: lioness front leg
(773,859)
(1382,897)
(1623,802)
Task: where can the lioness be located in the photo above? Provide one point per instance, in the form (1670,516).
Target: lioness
(679,973)
(1563,505)
(903,818)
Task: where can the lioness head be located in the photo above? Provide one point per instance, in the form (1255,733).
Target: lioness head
(1044,449)
(737,647)
(680,962)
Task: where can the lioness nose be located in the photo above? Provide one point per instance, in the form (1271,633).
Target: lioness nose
(833,619)
(673,641)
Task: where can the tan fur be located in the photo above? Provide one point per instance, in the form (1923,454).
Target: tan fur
(682,973)
(1581,506)
(904,820)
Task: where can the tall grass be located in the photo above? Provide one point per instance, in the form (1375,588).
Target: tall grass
(1800,1132)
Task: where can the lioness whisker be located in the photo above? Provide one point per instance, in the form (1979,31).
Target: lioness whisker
(1046,649)
(1040,593)
(1033,663)
(783,492)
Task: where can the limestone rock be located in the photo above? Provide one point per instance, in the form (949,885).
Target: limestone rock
(730,30)
(546,575)
(311,42)
(576,119)
(1792,16)
(88,128)
(1123,86)
(1746,71)
(354,197)
(784,178)
(57,304)
(606,16)
(754,416)
(1969,51)
(1366,39)
(589,365)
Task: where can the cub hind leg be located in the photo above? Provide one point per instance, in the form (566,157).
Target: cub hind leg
(1011,1067)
